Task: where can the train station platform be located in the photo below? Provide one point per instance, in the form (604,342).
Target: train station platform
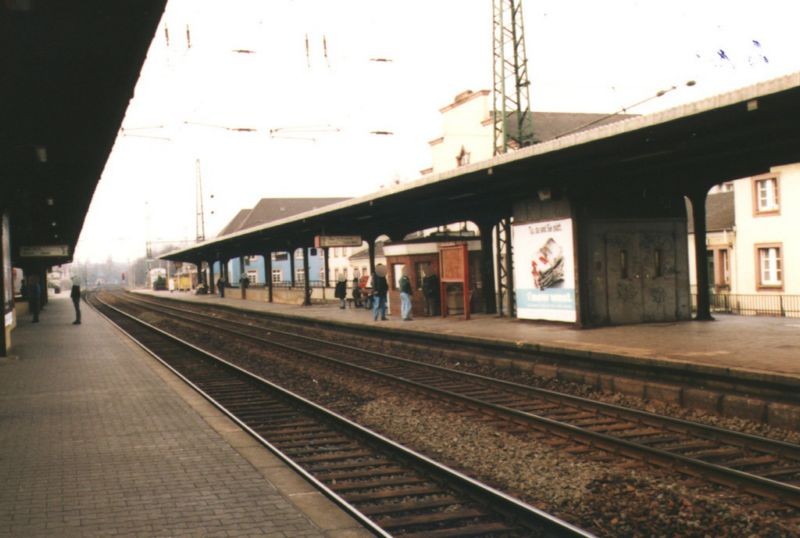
(755,347)
(99,439)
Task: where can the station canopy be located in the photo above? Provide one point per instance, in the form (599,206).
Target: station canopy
(677,151)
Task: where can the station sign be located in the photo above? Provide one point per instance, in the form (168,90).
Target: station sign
(44,251)
(322,241)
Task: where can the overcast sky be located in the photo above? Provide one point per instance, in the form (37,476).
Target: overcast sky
(313,107)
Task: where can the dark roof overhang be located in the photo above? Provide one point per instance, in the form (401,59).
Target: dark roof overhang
(68,72)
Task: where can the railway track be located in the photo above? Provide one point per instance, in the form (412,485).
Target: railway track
(758,465)
(392,490)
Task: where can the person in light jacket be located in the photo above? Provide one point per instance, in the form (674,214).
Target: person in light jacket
(406,291)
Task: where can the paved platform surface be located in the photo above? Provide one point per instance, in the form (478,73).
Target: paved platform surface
(759,346)
(98,439)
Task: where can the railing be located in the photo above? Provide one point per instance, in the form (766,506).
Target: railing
(753,305)
(297,284)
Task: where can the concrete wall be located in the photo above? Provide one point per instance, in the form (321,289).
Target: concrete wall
(638,271)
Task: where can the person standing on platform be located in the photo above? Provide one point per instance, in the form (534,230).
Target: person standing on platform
(430,291)
(405,296)
(341,290)
(380,287)
(75,295)
(221,287)
(356,293)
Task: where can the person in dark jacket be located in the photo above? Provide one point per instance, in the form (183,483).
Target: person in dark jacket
(341,291)
(75,295)
(380,287)
(430,291)
(356,293)
(221,286)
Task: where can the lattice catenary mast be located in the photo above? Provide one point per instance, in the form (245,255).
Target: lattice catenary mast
(513,128)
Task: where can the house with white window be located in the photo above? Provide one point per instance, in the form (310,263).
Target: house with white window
(752,245)
(767,223)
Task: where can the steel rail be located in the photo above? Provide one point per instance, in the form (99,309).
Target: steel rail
(518,509)
(779,491)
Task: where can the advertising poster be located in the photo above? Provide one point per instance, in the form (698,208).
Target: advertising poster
(544,270)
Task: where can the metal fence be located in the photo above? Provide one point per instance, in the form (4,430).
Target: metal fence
(298,284)
(753,305)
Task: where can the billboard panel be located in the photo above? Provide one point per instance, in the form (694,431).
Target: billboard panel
(544,270)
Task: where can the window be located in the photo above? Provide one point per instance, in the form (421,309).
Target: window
(280,256)
(252,276)
(770,274)
(766,199)
(658,262)
(397,272)
(421,269)
(623,264)
(725,266)
(298,254)
(300,276)
(277,276)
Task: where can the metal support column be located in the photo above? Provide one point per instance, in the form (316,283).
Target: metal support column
(327,276)
(268,274)
(212,286)
(505,276)
(292,279)
(698,199)
(242,288)
(371,251)
(306,279)
(487,268)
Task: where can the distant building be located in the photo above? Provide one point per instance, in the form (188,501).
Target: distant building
(270,210)
(468,129)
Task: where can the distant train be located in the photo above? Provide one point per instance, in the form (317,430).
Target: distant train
(157,278)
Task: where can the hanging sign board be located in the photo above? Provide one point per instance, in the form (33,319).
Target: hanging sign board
(544,270)
(322,241)
(453,269)
(44,251)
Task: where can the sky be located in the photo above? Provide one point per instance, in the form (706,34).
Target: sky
(283,98)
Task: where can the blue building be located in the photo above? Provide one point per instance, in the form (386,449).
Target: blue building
(268,210)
